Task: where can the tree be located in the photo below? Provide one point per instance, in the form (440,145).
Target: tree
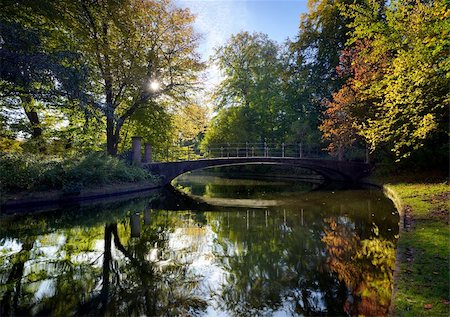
(136,53)
(345,110)
(190,123)
(402,92)
(312,66)
(250,94)
(322,35)
(338,126)
(33,75)
(227,127)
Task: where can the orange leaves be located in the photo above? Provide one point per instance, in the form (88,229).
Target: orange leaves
(339,126)
(351,105)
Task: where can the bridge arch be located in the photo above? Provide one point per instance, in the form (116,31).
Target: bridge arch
(330,170)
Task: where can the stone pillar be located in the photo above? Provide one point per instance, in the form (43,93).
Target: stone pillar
(147,217)
(135,225)
(136,149)
(147,153)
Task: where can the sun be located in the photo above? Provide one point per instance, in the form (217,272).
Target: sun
(154,85)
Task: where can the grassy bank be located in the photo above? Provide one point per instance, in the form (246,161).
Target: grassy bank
(34,173)
(422,272)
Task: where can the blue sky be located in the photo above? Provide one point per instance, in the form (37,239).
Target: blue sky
(218,19)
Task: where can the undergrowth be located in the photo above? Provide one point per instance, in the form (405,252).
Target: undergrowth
(28,172)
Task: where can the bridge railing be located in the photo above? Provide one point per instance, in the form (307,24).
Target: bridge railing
(248,149)
(176,153)
(261,149)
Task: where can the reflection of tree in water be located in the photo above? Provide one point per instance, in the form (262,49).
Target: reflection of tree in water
(39,271)
(274,265)
(271,260)
(365,266)
(254,189)
(146,287)
(83,278)
(11,280)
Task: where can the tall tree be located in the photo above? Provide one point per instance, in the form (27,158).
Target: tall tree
(350,104)
(314,57)
(190,123)
(137,52)
(250,92)
(322,35)
(399,76)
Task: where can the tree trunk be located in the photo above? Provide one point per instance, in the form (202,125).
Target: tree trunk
(32,116)
(112,139)
(107,258)
(112,133)
(9,302)
(35,124)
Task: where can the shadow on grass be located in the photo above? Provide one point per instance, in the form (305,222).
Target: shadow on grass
(424,271)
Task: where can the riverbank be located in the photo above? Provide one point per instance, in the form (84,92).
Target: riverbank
(29,202)
(32,182)
(421,278)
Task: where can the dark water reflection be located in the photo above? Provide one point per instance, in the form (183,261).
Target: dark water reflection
(300,252)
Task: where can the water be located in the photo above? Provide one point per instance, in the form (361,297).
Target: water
(225,247)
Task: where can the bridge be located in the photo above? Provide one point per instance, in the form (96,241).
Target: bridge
(179,160)
(330,170)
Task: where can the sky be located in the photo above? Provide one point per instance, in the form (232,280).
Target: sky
(217,20)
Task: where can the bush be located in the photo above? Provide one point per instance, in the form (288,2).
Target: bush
(22,172)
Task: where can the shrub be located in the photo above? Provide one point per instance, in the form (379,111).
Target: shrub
(21,172)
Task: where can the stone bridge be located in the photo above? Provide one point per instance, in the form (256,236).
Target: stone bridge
(347,171)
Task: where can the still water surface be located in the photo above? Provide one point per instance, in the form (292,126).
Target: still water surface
(225,247)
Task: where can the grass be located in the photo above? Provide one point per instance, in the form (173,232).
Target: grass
(422,278)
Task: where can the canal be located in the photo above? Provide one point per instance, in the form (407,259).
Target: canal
(223,242)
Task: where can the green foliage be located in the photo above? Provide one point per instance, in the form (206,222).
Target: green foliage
(8,142)
(250,95)
(226,127)
(322,35)
(190,123)
(36,172)
(129,44)
(71,67)
(399,74)
(35,82)
(313,62)
(278,90)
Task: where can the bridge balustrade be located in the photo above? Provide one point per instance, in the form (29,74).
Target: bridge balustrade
(255,149)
